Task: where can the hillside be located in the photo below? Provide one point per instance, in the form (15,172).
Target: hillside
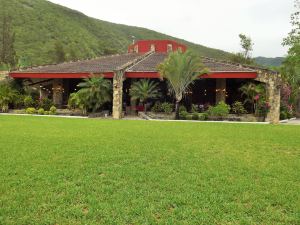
(39,24)
(264,61)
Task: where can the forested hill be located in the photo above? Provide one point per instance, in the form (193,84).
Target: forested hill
(39,25)
(264,61)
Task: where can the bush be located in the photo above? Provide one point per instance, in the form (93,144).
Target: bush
(167,107)
(221,110)
(45,103)
(182,108)
(157,107)
(46,113)
(52,110)
(30,110)
(183,114)
(41,111)
(202,116)
(18,101)
(189,117)
(194,108)
(28,101)
(195,116)
(238,108)
(283,115)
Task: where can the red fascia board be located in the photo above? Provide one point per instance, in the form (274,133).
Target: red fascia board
(142,75)
(240,75)
(55,75)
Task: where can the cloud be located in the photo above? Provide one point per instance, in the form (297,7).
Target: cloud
(214,23)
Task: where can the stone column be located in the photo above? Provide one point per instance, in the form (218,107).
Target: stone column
(58,92)
(117,94)
(273,96)
(220,90)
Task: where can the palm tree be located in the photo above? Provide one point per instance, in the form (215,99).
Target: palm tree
(251,91)
(181,69)
(143,90)
(7,96)
(94,92)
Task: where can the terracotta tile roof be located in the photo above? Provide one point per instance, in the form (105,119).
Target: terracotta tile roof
(148,64)
(98,65)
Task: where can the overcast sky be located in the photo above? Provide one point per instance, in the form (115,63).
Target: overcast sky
(213,23)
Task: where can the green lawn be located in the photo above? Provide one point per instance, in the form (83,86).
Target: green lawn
(79,171)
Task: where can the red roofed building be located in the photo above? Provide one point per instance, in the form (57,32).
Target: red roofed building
(141,61)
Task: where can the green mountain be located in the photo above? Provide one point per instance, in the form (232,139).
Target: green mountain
(264,61)
(39,25)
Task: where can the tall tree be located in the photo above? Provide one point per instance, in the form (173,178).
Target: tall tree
(244,57)
(143,90)
(59,53)
(8,54)
(181,69)
(291,65)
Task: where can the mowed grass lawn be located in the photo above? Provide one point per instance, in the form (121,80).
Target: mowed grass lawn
(79,171)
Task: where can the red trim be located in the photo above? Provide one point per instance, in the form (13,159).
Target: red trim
(55,75)
(142,75)
(246,75)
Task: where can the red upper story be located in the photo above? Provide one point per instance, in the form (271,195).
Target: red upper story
(161,46)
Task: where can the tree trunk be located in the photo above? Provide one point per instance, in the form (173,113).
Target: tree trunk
(145,108)
(177,110)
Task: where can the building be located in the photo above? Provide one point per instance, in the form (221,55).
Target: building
(141,61)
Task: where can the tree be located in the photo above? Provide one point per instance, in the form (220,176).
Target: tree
(291,65)
(244,57)
(59,54)
(252,93)
(8,54)
(94,92)
(144,90)
(7,96)
(181,69)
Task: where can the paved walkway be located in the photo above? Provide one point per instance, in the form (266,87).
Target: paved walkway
(293,122)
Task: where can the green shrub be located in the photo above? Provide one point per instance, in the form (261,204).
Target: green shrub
(18,101)
(28,101)
(157,107)
(46,113)
(189,117)
(238,108)
(182,108)
(195,116)
(194,108)
(283,115)
(30,110)
(183,114)
(167,107)
(45,103)
(41,111)
(202,116)
(221,110)
(52,110)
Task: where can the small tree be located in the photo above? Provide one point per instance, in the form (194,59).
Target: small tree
(144,90)
(7,96)
(181,69)
(94,92)
(253,93)
(244,57)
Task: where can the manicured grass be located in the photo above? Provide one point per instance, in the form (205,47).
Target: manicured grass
(77,171)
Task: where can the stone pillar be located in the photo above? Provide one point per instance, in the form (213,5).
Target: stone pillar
(117,94)
(220,90)
(58,92)
(273,96)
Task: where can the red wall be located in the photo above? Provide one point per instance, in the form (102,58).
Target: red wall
(160,46)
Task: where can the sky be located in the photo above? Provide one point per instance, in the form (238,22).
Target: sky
(212,23)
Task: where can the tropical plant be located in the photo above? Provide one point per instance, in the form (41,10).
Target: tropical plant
(73,101)
(156,108)
(7,96)
(28,101)
(238,108)
(181,69)
(252,93)
(144,90)
(94,92)
(167,107)
(221,110)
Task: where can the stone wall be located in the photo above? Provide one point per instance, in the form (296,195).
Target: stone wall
(118,94)
(58,92)
(273,85)
(3,75)
(220,90)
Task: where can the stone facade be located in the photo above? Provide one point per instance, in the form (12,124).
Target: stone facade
(273,85)
(118,94)
(220,90)
(58,92)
